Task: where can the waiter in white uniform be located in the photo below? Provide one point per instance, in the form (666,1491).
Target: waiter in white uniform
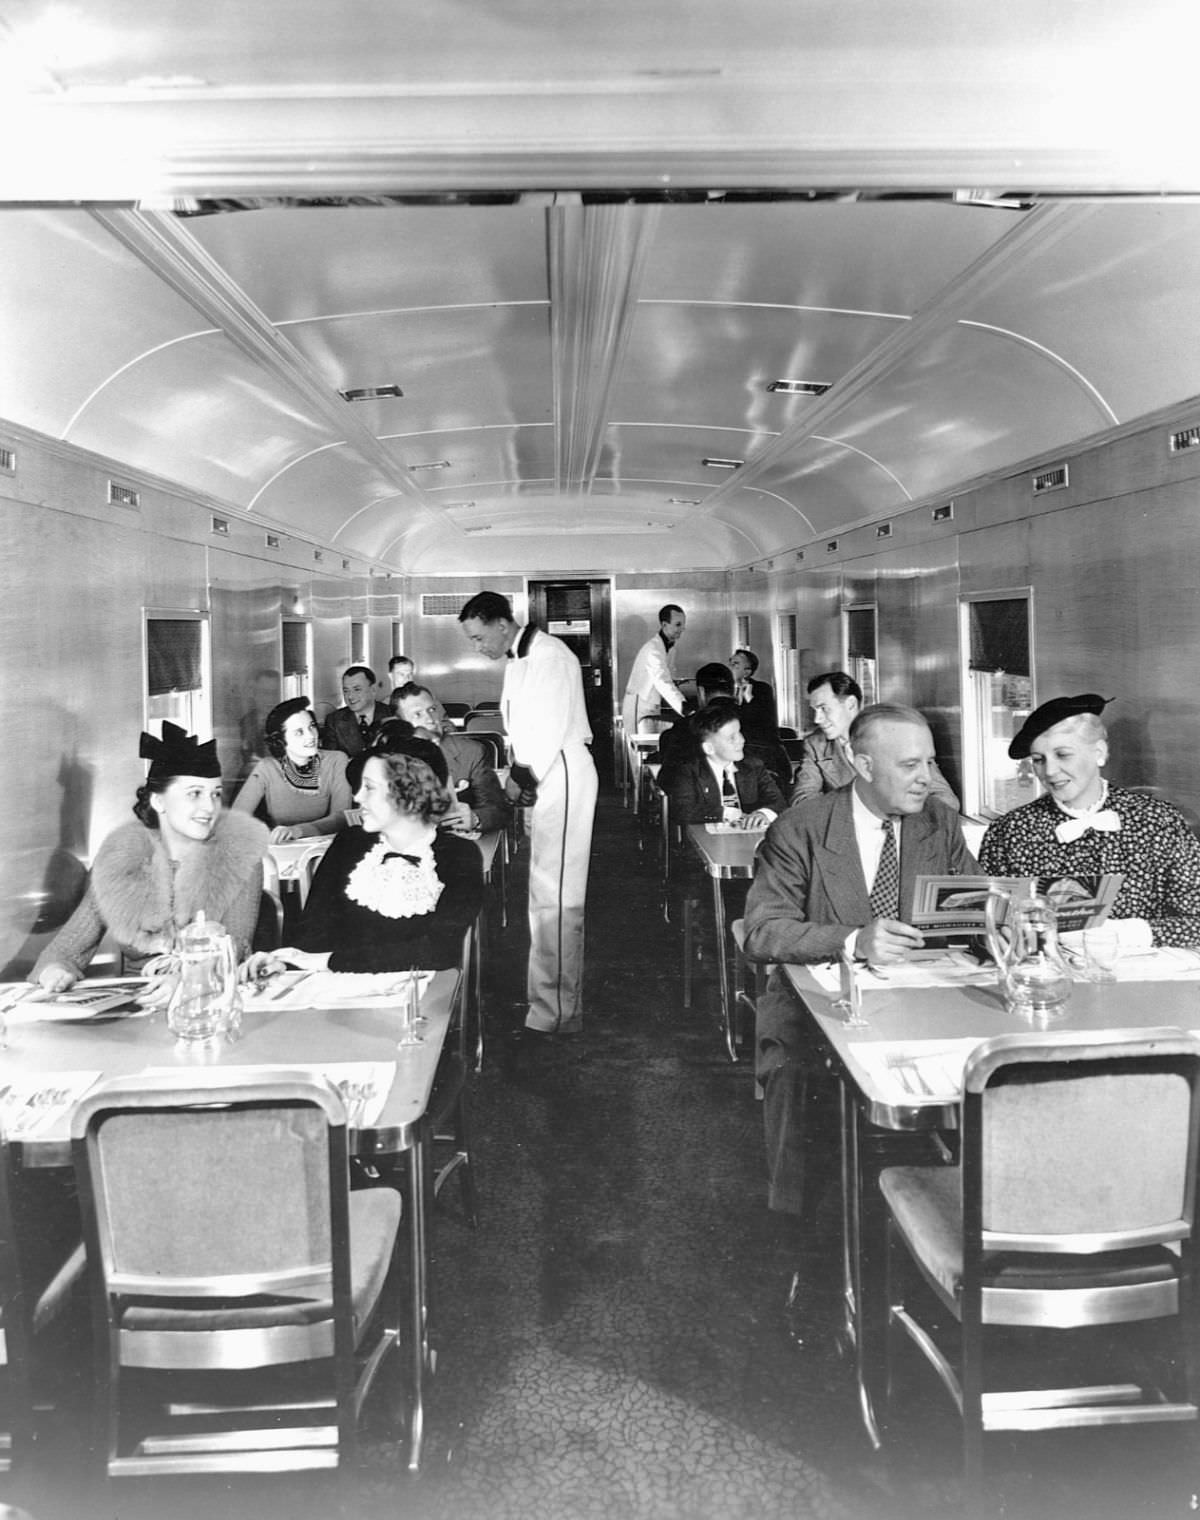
(652,678)
(546,718)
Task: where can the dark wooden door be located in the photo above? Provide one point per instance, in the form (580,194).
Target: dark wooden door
(579,612)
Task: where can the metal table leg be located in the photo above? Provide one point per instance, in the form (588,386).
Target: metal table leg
(723,967)
(419,1299)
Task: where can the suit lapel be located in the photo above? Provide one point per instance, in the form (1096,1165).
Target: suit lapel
(839,865)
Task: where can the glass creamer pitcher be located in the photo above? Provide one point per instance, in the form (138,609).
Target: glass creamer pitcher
(1022,935)
(204,1005)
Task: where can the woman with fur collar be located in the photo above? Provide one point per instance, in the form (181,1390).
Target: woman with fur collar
(185,854)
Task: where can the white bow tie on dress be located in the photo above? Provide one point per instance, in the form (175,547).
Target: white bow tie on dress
(1106,821)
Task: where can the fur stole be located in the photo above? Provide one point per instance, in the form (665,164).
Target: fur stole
(143,898)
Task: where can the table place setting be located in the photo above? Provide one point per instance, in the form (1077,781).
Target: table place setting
(945,968)
(326,989)
(1164,963)
(736,828)
(920,1070)
(30,1106)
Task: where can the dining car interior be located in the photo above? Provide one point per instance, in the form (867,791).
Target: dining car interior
(863,338)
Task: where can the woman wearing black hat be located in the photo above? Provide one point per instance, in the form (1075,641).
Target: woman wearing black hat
(300,788)
(396,891)
(1082,826)
(183,855)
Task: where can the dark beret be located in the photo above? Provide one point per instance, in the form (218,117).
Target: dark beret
(1057,710)
(279,714)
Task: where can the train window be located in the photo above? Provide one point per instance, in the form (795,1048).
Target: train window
(787,671)
(178,682)
(996,643)
(296,638)
(358,644)
(860,649)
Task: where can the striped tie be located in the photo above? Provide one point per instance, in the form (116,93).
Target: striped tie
(885,894)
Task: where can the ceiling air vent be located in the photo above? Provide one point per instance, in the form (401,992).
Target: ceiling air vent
(443,604)
(884,530)
(272,540)
(798,387)
(123,496)
(371,393)
(944,513)
(220,525)
(1188,438)
(832,546)
(8,460)
(722,464)
(1050,480)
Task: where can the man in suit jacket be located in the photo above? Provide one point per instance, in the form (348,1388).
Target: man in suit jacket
(755,699)
(819,890)
(720,781)
(826,765)
(481,801)
(355,727)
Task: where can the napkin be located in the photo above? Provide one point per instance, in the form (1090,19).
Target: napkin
(326,989)
(953,968)
(914,1070)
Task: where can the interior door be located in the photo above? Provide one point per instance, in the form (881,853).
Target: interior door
(579,612)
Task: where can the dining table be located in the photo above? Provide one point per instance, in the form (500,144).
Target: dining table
(899,1067)
(727,853)
(50,1062)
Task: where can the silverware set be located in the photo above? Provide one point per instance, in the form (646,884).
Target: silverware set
(356,1096)
(908,1073)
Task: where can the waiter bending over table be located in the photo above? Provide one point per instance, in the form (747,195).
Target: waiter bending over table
(546,719)
(834,874)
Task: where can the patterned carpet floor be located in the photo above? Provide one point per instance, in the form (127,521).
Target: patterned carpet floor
(612,1341)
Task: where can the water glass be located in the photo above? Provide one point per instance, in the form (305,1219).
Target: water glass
(1101,948)
(849,1005)
(410,1011)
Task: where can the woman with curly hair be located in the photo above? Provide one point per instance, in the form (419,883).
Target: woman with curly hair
(185,854)
(396,891)
(299,789)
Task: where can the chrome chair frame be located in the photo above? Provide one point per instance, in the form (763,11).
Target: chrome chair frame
(1111,1275)
(140,1317)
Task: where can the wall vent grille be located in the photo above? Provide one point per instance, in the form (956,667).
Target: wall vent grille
(123,496)
(8,460)
(319,556)
(443,603)
(345,564)
(1050,480)
(884,530)
(221,525)
(799,556)
(1186,438)
(272,540)
(832,546)
(944,513)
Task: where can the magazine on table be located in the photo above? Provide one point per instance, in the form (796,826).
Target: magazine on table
(956,905)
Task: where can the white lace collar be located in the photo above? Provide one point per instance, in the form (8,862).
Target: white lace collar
(393,884)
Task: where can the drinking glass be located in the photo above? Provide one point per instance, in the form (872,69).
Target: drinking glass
(410,1009)
(849,1005)
(1101,947)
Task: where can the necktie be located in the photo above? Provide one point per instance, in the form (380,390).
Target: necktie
(1104,822)
(729,794)
(885,894)
(364,727)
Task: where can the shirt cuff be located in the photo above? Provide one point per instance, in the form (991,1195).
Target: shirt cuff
(850,948)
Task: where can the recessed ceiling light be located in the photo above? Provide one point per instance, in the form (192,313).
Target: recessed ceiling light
(799,387)
(434,464)
(722,464)
(370,392)
(683,501)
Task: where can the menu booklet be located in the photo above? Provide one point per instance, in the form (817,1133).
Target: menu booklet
(955,906)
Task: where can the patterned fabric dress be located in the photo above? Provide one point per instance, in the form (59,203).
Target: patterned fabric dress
(1155,850)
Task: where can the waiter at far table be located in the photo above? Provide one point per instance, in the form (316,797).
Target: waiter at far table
(546,718)
(652,676)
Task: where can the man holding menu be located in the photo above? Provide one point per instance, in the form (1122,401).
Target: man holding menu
(834,875)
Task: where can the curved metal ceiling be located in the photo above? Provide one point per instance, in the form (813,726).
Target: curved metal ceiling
(568,362)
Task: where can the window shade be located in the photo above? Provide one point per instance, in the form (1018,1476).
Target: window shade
(1000,636)
(860,633)
(172,655)
(295,649)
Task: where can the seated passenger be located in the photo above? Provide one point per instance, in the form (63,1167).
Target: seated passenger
(1082,826)
(836,876)
(301,789)
(719,781)
(826,764)
(185,854)
(755,699)
(479,801)
(397,891)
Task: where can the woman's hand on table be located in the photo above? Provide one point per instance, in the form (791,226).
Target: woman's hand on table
(264,964)
(57,978)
